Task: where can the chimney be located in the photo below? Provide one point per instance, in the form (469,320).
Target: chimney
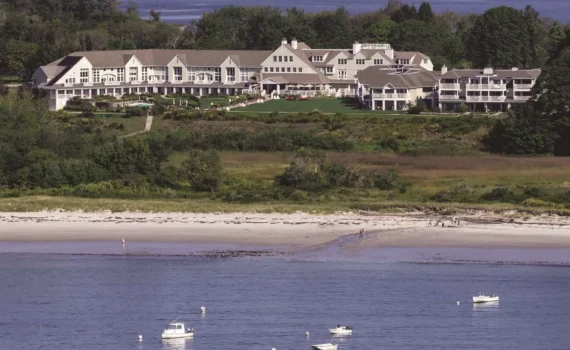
(389,53)
(515,68)
(284,41)
(356,47)
(443,69)
(488,71)
(294,43)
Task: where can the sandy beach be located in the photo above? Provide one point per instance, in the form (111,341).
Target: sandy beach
(296,231)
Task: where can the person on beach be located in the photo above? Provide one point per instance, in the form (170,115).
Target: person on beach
(361,232)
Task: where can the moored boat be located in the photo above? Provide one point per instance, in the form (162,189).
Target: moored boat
(327,346)
(341,330)
(176,330)
(485,298)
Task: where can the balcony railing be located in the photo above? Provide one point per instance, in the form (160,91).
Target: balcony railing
(522,86)
(486,86)
(449,97)
(135,82)
(108,83)
(450,87)
(485,98)
(521,98)
(390,96)
(156,81)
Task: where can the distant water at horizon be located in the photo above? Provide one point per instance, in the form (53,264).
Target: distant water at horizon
(183,11)
(102,302)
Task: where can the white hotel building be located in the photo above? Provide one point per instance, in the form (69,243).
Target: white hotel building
(378,76)
(293,68)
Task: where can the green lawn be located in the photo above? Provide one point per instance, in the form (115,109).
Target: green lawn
(206,101)
(324,105)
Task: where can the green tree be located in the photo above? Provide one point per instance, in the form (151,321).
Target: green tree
(556,36)
(499,38)
(404,13)
(202,170)
(425,13)
(333,28)
(454,51)
(17,57)
(385,31)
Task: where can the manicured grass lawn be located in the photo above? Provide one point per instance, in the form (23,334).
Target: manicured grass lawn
(132,124)
(206,101)
(324,105)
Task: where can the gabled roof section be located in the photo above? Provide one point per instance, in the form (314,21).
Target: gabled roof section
(63,66)
(198,58)
(500,73)
(407,78)
(415,57)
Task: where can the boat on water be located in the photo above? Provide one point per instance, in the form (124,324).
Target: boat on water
(485,298)
(176,330)
(327,346)
(341,330)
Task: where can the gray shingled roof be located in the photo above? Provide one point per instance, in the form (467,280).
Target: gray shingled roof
(415,57)
(331,54)
(199,58)
(501,73)
(296,78)
(413,78)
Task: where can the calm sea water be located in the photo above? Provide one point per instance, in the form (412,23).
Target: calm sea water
(51,301)
(182,11)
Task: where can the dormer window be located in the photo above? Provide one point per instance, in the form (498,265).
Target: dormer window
(317,58)
(329,70)
(403,61)
(360,61)
(378,61)
(342,61)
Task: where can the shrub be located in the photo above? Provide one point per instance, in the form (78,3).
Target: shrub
(78,104)
(499,194)
(136,112)
(202,170)
(387,181)
(462,108)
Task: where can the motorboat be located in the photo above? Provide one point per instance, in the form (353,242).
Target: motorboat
(341,330)
(176,330)
(485,298)
(327,346)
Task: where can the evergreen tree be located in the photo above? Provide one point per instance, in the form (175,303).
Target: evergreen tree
(425,12)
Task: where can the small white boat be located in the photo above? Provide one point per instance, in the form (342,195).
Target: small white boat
(485,298)
(328,346)
(341,330)
(176,330)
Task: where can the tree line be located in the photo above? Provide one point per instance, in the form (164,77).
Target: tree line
(36,32)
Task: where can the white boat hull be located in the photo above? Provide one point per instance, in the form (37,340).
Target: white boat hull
(325,346)
(335,331)
(177,336)
(485,299)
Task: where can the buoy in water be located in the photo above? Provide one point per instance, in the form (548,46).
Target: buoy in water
(306,334)
(458,302)
(140,337)
(203,309)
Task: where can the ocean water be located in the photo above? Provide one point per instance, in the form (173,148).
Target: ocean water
(183,11)
(67,301)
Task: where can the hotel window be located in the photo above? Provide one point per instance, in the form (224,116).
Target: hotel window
(70,79)
(84,75)
(230,74)
(288,69)
(145,73)
(425,60)
(342,61)
(134,73)
(342,74)
(218,74)
(360,61)
(285,58)
(317,58)
(191,74)
(280,58)
(244,73)
(282,69)
(290,58)
(402,61)
(300,70)
(329,69)
(96,75)
(121,74)
(265,69)
(177,73)
(378,61)
(274,58)
(271,69)
(294,69)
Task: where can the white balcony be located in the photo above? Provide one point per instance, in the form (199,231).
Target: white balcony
(449,97)
(176,81)
(111,83)
(497,98)
(87,84)
(486,86)
(156,81)
(485,98)
(135,82)
(67,85)
(522,86)
(450,87)
(521,98)
(391,96)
